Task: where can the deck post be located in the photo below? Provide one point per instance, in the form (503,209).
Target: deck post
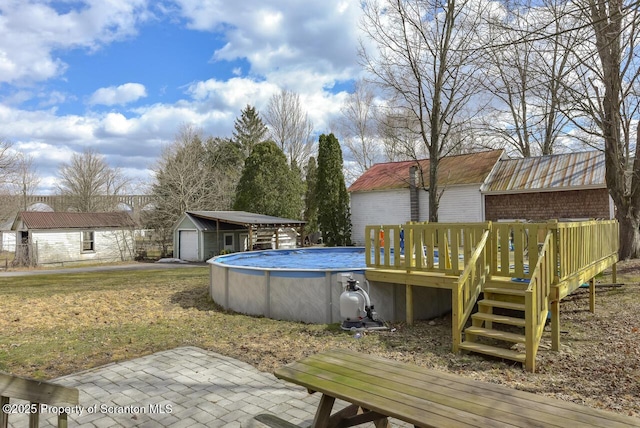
(614,273)
(409,304)
(555,325)
(592,295)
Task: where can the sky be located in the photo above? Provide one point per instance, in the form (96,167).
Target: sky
(121,77)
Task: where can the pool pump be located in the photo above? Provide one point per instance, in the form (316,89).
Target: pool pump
(356,308)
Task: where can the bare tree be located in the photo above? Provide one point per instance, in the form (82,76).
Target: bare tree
(425,54)
(527,76)
(7,173)
(607,103)
(289,126)
(358,128)
(87,179)
(26,179)
(193,174)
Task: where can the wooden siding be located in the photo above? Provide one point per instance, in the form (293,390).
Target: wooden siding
(56,247)
(383,207)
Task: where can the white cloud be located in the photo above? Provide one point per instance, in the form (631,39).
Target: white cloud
(118,95)
(320,35)
(32,31)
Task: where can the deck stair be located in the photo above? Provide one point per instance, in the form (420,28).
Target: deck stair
(499,323)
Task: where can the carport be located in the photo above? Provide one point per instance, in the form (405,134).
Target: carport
(200,235)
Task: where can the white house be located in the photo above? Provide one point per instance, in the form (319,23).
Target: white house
(49,238)
(397,192)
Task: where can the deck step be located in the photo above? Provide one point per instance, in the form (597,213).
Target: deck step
(496,334)
(494,351)
(505,291)
(504,305)
(502,319)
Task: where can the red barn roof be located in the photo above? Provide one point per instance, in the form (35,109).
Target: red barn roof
(470,168)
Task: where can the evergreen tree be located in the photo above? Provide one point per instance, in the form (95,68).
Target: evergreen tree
(334,218)
(310,200)
(249,130)
(267,185)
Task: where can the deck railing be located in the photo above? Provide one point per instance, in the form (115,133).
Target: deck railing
(36,393)
(470,285)
(536,298)
(582,244)
(425,247)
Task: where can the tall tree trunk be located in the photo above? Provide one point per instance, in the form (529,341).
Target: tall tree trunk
(629,236)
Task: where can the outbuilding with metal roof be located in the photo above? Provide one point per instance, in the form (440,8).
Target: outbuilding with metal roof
(59,238)
(200,235)
(566,186)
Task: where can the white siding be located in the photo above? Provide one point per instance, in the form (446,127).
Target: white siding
(8,240)
(382,207)
(461,204)
(66,246)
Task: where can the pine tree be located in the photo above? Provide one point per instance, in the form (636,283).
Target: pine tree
(249,130)
(334,218)
(267,185)
(310,200)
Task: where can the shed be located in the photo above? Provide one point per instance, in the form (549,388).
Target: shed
(388,193)
(567,186)
(49,238)
(200,235)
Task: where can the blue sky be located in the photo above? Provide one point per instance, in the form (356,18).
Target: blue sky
(122,76)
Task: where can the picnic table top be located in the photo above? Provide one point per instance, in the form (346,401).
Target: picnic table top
(430,398)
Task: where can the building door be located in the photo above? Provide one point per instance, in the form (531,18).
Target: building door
(188,245)
(228,242)
(244,241)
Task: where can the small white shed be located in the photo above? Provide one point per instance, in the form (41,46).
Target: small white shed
(50,238)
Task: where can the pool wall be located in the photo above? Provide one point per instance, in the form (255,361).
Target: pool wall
(313,296)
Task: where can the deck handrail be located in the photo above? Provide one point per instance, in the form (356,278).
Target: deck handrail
(536,299)
(470,285)
(581,244)
(422,247)
(36,393)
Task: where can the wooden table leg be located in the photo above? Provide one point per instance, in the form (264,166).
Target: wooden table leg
(323,413)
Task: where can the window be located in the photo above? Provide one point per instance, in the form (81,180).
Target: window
(88,244)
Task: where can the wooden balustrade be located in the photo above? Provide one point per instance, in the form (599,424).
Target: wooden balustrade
(36,393)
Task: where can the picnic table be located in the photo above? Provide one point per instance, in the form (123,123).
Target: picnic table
(378,388)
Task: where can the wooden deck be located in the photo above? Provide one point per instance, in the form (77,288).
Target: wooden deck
(429,398)
(526,267)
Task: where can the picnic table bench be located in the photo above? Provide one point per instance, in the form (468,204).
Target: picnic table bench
(379,388)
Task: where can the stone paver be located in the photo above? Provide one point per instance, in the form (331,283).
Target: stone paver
(182,387)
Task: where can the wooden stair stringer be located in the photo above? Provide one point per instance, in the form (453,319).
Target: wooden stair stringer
(505,295)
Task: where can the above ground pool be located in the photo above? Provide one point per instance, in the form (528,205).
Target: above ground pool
(335,258)
(295,284)
(305,285)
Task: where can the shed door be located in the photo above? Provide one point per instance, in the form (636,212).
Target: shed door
(189,245)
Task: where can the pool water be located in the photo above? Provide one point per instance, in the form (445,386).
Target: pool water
(334,258)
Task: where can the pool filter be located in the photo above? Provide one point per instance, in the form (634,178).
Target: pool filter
(356,308)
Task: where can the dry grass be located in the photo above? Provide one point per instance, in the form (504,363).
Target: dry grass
(57,324)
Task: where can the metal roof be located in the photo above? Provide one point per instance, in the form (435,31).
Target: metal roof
(470,168)
(245,218)
(66,220)
(552,172)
